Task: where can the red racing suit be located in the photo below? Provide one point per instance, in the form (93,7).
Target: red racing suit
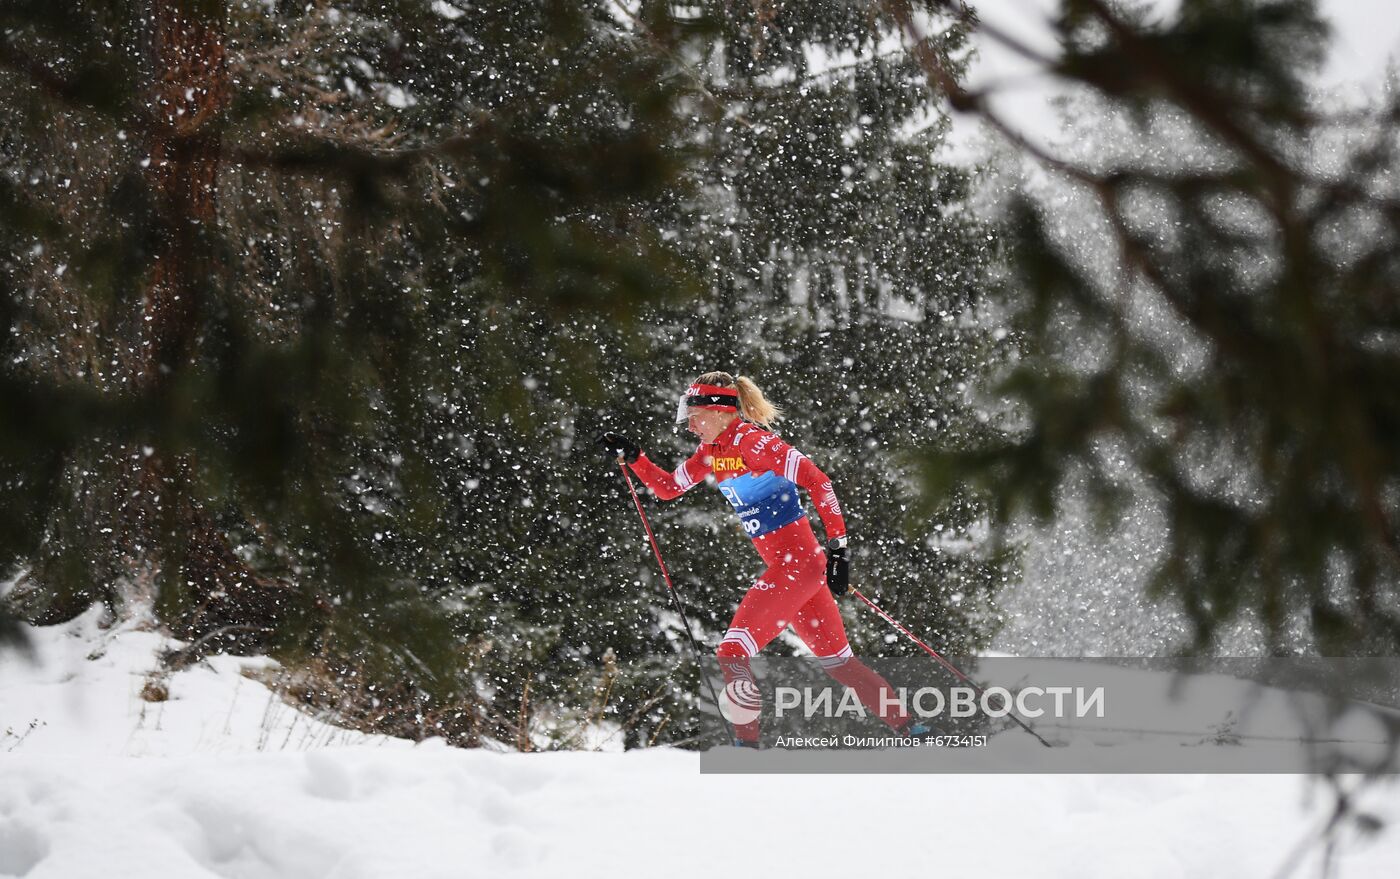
(759,474)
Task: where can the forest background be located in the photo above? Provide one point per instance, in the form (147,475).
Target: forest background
(312,311)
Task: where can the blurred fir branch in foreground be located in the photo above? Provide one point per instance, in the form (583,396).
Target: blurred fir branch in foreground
(1240,358)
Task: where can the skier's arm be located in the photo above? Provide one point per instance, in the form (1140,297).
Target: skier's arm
(669,485)
(818,485)
(767,452)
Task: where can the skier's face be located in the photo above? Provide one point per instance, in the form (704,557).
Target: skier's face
(708,424)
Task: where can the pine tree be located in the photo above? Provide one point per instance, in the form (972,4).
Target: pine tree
(846,273)
(837,263)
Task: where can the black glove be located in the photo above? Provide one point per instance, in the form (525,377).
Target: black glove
(615,445)
(838,567)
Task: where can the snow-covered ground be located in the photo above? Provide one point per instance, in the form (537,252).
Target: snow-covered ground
(223,780)
(83,695)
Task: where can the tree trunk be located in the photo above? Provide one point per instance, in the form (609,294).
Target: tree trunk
(190,91)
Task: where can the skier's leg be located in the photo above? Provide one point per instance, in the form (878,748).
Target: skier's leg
(770,604)
(818,623)
(744,703)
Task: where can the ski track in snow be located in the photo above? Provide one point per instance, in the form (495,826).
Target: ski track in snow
(219,785)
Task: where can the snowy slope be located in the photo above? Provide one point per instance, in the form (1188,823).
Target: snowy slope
(84,695)
(220,782)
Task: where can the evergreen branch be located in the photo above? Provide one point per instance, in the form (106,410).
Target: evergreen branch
(94,92)
(681,64)
(40,75)
(941,79)
(351,160)
(1202,104)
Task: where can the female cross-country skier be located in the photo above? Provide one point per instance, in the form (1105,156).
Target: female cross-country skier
(758,473)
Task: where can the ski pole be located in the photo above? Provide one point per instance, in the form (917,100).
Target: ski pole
(945,663)
(676,599)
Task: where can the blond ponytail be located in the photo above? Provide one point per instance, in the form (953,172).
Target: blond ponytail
(752,404)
